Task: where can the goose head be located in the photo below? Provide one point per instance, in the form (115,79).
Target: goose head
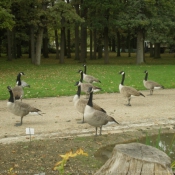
(122,72)
(145,72)
(9,88)
(78,83)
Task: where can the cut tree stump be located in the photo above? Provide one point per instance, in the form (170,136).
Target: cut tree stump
(136,159)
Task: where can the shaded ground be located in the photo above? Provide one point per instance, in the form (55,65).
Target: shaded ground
(57,130)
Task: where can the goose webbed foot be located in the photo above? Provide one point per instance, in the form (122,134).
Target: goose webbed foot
(128,104)
(18,124)
(81,122)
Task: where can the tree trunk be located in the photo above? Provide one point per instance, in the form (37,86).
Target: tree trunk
(95,45)
(113,44)
(106,43)
(68,44)
(118,44)
(18,49)
(83,35)
(14,44)
(32,43)
(38,46)
(157,50)
(151,50)
(91,45)
(129,45)
(136,159)
(57,44)
(45,43)
(77,42)
(62,51)
(9,39)
(140,47)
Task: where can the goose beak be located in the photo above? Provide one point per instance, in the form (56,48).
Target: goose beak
(76,84)
(9,88)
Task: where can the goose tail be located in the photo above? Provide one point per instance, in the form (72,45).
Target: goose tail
(142,94)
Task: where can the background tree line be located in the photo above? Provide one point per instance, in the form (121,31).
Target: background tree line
(38,26)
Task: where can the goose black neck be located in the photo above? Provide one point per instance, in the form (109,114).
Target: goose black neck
(85,69)
(123,79)
(90,100)
(19,80)
(81,79)
(146,76)
(11,99)
(79,91)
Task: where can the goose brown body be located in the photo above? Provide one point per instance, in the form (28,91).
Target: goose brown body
(95,117)
(151,85)
(19,108)
(128,91)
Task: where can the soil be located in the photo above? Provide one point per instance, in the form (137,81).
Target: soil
(58,130)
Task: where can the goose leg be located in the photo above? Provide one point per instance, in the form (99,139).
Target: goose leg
(151,91)
(100,130)
(129,104)
(19,124)
(96,131)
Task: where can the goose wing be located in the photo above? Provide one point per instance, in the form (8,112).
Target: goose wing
(90,79)
(126,90)
(151,84)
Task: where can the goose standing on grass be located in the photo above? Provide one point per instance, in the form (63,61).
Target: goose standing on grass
(81,103)
(19,108)
(151,85)
(94,117)
(127,91)
(85,86)
(18,91)
(89,78)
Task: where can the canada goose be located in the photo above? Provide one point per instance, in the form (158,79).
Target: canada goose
(94,117)
(19,108)
(127,91)
(81,103)
(19,81)
(18,91)
(151,85)
(89,78)
(85,86)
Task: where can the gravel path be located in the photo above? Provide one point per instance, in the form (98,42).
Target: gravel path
(60,118)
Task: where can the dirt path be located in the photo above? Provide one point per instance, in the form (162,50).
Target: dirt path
(60,118)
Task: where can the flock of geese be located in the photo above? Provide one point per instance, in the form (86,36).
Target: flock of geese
(92,113)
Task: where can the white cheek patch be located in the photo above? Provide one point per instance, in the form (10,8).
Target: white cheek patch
(17,82)
(123,73)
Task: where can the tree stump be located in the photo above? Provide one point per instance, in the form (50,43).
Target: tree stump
(136,159)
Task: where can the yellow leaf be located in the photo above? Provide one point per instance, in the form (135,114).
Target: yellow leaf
(58,163)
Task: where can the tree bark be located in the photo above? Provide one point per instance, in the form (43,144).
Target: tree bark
(32,43)
(91,45)
(151,50)
(38,46)
(95,45)
(62,51)
(106,43)
(140,48)
(157,50)
(83,35)
(68,44)
(118,44)
(57,44)
(45,43)
(9,39)
(77,42)
(136,159)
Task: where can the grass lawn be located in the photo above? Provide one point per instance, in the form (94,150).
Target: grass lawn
(53,79)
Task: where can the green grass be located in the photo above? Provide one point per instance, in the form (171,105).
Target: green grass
(52,79)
